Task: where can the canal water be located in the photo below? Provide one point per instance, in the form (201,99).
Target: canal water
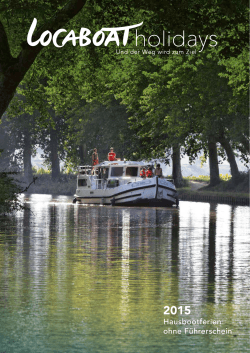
(77,278)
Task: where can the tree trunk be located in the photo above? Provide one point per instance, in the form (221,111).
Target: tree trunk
(213,164)
(83,154)
(245,143)
(27,153)
(230,157)
(55,163)
(176,167)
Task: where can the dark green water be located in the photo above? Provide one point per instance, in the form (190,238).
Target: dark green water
(77,278)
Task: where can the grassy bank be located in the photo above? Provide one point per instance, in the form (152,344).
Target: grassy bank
(195,188)
(228,190)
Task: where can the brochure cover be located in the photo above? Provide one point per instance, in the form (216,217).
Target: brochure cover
(102,249)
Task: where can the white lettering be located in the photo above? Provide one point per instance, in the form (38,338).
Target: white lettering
(30,33)
(125,29)
(140,35)
(70,37)
(96,35)
(153,35)
(213,40)
(84,33)
(56,34)
(99,38)
(183,40)
(112,37)
(203,44)
(192,40)
(42,38)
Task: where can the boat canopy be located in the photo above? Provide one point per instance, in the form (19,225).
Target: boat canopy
(121,164)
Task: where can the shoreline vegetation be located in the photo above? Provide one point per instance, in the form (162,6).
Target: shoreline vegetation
(12,184)
(227,191)
(194,189)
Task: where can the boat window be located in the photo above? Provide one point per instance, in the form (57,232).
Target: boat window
(116,171)
(82,182)
(103,173)
(113,183)
(132,171)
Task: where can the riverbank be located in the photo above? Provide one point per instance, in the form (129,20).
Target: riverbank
(226,192)
(235,199)
(65,185)
(194,190)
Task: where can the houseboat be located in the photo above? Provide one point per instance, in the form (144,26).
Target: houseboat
(119,183)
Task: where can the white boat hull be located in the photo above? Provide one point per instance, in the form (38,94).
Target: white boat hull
(146,192)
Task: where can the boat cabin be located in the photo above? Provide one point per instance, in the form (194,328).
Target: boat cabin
(109,174)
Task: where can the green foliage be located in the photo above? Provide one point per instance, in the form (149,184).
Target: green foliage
(206,178)
(203,160)
(142,104)
(9,195)
(225,177)
(96,125)
(41,170)
(69,169)
(17,17)
(7,146)
(241,185)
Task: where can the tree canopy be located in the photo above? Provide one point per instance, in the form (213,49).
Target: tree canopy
(182,80)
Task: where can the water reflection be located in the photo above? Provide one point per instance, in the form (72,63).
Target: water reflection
(94,278)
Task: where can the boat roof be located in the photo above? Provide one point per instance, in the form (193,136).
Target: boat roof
(121,163)
(116,163)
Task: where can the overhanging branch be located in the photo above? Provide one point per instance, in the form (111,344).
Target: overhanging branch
(56,22)
(13,70)
(28,53)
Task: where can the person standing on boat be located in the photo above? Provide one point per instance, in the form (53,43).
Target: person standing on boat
(149,173)
(143,172)
(158,171)
(111,155)
(95,159)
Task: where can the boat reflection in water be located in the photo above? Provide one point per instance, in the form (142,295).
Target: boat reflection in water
(93,278)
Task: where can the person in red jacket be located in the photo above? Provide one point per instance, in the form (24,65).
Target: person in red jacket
(112,155)
(143,172)
(149,173)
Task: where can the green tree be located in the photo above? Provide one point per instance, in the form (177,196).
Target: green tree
(97,125)
(97,73)
(9,200)
(52,141)
(7,147)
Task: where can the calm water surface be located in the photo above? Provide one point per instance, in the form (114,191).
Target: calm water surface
(76,278)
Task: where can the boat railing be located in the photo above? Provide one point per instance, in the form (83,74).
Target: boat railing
(101,183)
(84,170)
